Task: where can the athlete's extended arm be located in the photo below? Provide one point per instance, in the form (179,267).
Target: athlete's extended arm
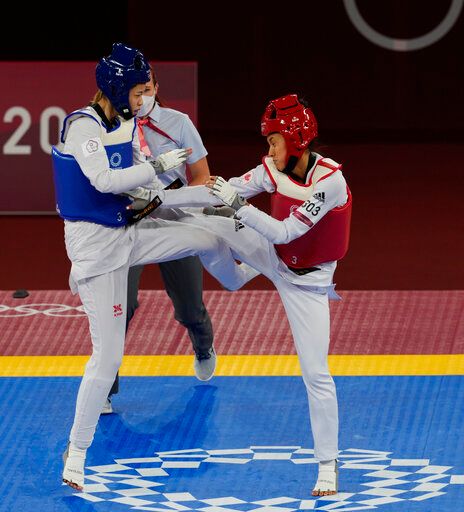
(248,185)
(301,220)
(84,143)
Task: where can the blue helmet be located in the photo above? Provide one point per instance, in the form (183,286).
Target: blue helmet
(118,73)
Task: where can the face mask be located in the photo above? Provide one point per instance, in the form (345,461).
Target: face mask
(148,104)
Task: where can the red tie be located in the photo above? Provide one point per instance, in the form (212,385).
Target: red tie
(143,143)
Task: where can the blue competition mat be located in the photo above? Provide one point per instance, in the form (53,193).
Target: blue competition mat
(237,444)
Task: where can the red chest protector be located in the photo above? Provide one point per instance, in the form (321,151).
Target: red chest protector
(328,240)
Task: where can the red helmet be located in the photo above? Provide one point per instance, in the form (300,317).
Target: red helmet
(295,122)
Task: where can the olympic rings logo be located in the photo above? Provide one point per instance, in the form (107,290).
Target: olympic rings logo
(361,463)
(62,310)
(115,160)
(403,45)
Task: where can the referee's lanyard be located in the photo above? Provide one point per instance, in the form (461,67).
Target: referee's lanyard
(143,143)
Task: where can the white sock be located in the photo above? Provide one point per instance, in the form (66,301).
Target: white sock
(250,271)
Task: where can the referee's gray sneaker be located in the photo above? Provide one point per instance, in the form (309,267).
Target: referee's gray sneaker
(205,364)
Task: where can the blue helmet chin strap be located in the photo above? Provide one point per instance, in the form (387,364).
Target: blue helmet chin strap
(117,73)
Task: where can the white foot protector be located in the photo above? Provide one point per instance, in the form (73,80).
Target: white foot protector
(251,272)
(73,472)
(246,273)
(327,479)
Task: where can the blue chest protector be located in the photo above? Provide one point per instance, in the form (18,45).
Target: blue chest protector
(76,198)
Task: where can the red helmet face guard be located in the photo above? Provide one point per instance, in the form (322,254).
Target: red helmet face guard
(295,122)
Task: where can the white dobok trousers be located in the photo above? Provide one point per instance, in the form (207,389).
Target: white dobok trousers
(307,309)
(104,299)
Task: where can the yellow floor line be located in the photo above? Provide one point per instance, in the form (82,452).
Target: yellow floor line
(239,365)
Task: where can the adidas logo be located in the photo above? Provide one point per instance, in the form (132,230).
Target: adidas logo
(320,196)
(238,225)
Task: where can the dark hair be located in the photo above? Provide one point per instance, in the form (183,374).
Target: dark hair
(155,81)
(315,145)
(304,102)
